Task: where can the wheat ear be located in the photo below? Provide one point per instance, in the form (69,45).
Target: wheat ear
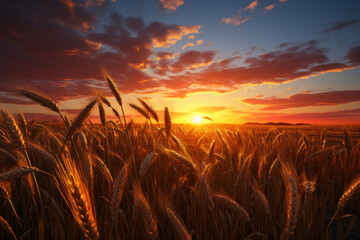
(41,99)
(5,225)
(118,190)
(142,204)
(16,173)
(149,109)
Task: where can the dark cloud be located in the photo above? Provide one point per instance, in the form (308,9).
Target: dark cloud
(306,99)
(192,60)
(340,25)
(289,63)
(353,56)
(52,45)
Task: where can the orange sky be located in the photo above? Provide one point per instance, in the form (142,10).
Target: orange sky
(248,61)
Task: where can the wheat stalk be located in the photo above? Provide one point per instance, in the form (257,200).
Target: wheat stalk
(13,129)
(142,204)
(5,226)
(41,99)
(145,165)
(114,90)
(140,110)
(78,122)
(16,173)
(101,166)
(83,212)
(44,155)
(349,192)
(167,121)
(118,190)
(180,230)
(102,114)
(231,204)
(293,201)
(149,109)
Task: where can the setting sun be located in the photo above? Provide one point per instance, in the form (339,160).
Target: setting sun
(197,120)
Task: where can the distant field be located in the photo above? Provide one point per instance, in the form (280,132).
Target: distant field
(75,180)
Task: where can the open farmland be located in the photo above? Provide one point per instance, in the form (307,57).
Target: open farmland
(117,180)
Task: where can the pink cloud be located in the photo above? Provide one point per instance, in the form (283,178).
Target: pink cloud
(188,45)
(171,5)
(306,99)
(268,8)
(235,20)
(252,6)
(192,60)
(286,64)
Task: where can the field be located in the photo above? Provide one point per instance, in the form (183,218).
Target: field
(118,180)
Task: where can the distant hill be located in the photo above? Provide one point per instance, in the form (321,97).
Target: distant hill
(276,123)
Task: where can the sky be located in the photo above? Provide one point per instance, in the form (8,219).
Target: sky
(239,61)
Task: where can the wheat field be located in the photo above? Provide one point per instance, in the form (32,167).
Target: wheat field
(158,180)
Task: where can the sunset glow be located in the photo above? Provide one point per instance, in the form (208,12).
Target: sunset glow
(197,120)
(241,62)
(179,119)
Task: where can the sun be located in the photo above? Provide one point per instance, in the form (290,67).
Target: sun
(197,120)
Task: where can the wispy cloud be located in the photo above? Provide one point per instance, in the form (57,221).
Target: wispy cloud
(306,99)
(268,8)
(340,25)
(198,42)
(171,5)
(235,20)
(350,116)
(188,45)
(245,14)
(252,6)
(302,60)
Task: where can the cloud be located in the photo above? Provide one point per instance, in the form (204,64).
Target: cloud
(41,117)
(191,37)
(165,55)
(192,60)
(268,8)
(289,63)
(340,25)
(209,109)
(199,42)
(188,45)
(171,5)
(306,99)
(183,93)
(252,6)
(353,56)
(282,0)
(54,46)
(235,20)
(336,117)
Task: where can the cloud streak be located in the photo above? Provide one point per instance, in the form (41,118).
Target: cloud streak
(306,99)
(336,117)
(341,24)
(289,63)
